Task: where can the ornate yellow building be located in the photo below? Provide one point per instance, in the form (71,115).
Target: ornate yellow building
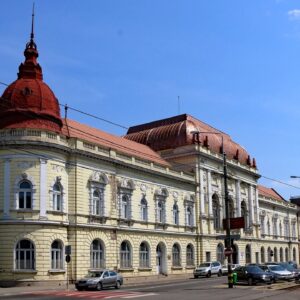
(147,204)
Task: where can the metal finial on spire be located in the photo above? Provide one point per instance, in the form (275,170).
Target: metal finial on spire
(32,24)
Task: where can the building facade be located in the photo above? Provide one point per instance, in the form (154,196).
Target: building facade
(150,203)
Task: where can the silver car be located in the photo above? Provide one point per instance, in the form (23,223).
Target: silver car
(207,269)
(99,280)
(278,271)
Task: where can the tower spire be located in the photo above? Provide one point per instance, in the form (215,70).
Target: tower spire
(32,24)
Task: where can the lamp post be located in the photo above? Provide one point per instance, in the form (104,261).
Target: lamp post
(226,197)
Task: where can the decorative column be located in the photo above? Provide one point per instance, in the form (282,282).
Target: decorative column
(209,193)
(257,206)
(238,197)
(250,202)
(202,198)
(43,188)
(6,189)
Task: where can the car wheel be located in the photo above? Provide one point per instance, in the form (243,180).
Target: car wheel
(99,286)
(220,273)
(79,289)
(250,281)
(118,285)
(208,274)
(195,276)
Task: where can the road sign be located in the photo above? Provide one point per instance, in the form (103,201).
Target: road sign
(235,223)
(228,251)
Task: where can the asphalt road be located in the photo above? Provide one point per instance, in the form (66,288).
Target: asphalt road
(191,289)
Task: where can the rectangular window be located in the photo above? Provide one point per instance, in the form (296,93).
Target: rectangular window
(207,256)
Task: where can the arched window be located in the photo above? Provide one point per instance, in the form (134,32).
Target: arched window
(24,255)
(269,254)
(125,255)
(125,212)
(144,255)
(190,255)
(281,254)
(244,213)
(216,212)
(248,254)
(262,255)
(144,209)
(57,197)
(294,255)
(97,255)
(275,255)
(189,216)
(220,253)
(98,202)
(25,195)
(161,211)
(175,214)
(57,262)
(176,261)
(286,254)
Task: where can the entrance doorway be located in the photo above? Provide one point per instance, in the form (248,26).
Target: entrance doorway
(160,258)
(235,254)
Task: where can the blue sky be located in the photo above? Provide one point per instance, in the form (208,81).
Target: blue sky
(235,65)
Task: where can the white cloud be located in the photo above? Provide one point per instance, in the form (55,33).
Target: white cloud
(294,14)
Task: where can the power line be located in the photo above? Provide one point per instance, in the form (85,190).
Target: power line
(75,109)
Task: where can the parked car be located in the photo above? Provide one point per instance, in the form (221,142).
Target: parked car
(289,267)
(225,268)
(252,275)
(207,269)
(279,272)
(99,280)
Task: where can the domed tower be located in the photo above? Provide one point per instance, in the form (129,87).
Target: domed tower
(28,102)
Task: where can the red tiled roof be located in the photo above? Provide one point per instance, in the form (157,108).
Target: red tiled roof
(178,131)
(107,140)
(269,193)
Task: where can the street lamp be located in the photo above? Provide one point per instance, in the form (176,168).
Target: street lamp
(226,197)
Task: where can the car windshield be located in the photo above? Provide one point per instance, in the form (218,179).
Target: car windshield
(276,268)
(264,268)
(94,274)
(204,265)
(288,267)
(254,269)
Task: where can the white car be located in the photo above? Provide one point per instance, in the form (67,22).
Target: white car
(207,269)
(225,268)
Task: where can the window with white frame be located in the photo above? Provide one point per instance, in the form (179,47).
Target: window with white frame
(175,214)
(25,195)
(176,261)
(161,211)
(190,255)
(189,215)
(57,197)
(98,202)
(144,209)
(24,255)
(57,255)
(231,208)
(125,255)
(220,253)
(262,224)
(144,255)
(216,210)
(269,228)
(97,255)
(286,228)
(125,207)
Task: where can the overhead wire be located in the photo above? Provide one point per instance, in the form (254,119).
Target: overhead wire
(88,134)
